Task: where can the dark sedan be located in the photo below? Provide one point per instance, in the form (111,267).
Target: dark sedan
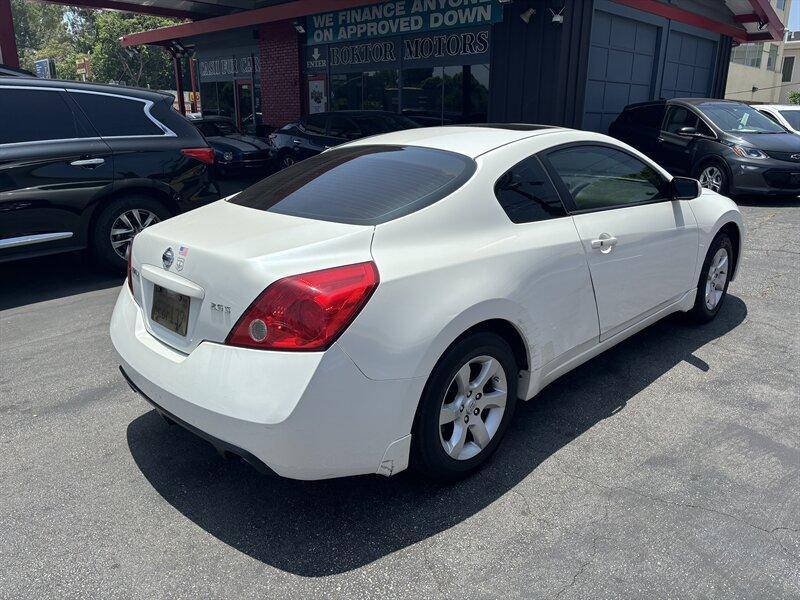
(235,152)
(729,146)
(315,133)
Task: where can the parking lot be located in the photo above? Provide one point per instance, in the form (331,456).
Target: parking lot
(668,467)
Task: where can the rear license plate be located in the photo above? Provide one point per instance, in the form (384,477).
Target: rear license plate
(170,309)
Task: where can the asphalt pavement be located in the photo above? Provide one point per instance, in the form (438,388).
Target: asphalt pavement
(668,467)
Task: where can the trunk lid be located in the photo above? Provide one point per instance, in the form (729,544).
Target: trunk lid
(224,255)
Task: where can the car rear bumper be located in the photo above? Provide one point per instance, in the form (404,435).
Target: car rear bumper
(303,415)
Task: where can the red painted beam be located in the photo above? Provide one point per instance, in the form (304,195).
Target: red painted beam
(8,41)
(684,16)
(144,9)
(248,18)
(751,18)
(769,17)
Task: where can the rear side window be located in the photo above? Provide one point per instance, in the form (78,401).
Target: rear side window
(32,115)
(361,185)
(116,117)
(647,116)
(526,194)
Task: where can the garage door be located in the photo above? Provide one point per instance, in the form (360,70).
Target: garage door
(621,58)
(688,66)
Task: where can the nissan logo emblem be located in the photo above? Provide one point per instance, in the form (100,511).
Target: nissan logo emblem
(167,258)
(795,157)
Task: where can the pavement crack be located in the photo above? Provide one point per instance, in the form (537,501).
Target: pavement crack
(689,505)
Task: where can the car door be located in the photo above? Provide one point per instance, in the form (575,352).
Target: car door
(675,151)
(53,167)
(644,128)
(641,245)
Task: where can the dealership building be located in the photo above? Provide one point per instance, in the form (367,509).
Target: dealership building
(567,62)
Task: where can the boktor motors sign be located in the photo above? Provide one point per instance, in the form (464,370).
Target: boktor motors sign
(401,17)
(457,48)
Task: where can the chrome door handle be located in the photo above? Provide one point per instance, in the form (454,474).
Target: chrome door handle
(604,243)
(88,162)
(296,141)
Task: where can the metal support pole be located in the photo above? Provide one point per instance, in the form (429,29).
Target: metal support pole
(176,61)
(193,77)
(8,43)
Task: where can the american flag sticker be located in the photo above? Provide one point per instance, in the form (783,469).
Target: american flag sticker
(183,251)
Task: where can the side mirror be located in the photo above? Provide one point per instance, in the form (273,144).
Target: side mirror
(687,131)
(684,188)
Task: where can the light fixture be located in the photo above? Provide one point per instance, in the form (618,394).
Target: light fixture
(558,17)
(526,16)
(299,27)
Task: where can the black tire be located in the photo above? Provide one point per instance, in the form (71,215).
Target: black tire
(701,313)
(428,455)
(725,184)
(100,246)
(286,160)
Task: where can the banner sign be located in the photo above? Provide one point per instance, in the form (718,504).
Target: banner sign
(400,17)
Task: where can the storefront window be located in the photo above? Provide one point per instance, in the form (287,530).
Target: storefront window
(422,95)
(208,98)
(346,91)
(446,95)
(227,101)
(380,91)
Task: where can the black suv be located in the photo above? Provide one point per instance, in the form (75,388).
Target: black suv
(729,146)
(314,133)
(86,165)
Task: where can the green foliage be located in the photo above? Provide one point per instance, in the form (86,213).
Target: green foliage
(67,33)
(149,67)
(794,97)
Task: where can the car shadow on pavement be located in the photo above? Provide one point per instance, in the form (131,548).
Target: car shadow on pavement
(768,201)
(328,527)
(33,280)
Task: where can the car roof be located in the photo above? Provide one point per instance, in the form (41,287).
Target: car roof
(778,106)
(134,92)
(356,113)
(469,140)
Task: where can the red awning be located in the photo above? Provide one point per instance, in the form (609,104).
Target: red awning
(753,20)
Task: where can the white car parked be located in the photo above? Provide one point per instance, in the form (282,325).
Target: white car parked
(786,115)
(388,301)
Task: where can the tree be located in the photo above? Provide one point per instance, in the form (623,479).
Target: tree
(147,66)
(42,32)
(66,33)
(794,97)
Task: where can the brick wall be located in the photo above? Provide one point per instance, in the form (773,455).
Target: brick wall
(279,49)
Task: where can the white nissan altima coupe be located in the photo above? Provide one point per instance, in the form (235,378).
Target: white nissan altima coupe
(387,302)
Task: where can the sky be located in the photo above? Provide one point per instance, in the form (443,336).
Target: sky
(794,17)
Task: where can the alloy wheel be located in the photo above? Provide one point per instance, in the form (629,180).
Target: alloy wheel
(127,225)
(716,278)
(473,407)
(712,178)
(288,161)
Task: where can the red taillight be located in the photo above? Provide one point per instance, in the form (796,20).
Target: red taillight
(306,312)
(204,155)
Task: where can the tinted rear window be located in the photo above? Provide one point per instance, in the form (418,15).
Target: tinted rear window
(113,116)
(361,185)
